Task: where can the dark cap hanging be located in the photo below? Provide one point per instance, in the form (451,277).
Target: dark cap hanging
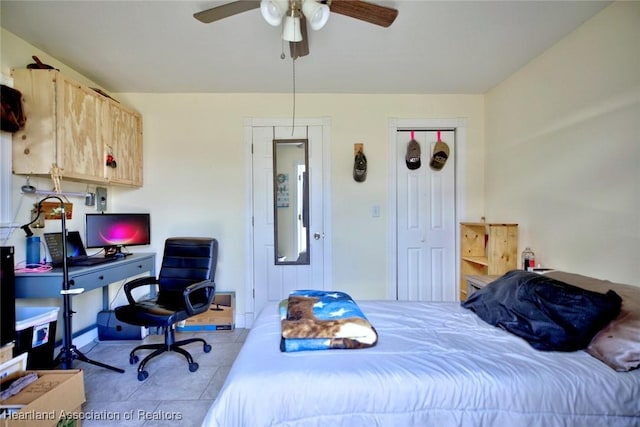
(413,154)
(360,167)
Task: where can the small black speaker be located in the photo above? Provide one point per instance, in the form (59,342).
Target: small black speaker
(7,296)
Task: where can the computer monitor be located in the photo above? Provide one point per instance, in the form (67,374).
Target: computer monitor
(111,231)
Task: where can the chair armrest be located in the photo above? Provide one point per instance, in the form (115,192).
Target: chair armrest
(136,283)
(205,284)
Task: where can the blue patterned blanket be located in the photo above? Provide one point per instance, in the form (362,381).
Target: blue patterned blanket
(321,320)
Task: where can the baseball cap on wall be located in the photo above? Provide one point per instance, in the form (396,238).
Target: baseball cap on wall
(440,155)
(360,167)
(412,157)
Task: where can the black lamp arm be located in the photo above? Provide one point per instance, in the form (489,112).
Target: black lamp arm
(26,228)
(63,219)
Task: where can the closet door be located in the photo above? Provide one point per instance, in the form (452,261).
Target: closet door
(426,225)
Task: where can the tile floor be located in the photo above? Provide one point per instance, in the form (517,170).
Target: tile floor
(170,389)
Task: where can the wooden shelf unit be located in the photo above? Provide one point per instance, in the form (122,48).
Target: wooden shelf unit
(486,249)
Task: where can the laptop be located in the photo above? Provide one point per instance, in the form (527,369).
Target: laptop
(76,252)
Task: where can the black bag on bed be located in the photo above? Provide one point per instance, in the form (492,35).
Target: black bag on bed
(549,314)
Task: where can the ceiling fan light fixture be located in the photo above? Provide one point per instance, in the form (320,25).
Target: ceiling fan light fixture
(317,14)
(273,11)
(291,31)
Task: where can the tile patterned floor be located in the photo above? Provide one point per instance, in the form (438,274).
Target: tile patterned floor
(170,392)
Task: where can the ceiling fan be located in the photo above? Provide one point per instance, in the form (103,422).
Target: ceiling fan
(295,14)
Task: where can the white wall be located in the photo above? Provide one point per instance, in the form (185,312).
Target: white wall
(563,149)
(194,172)
(194,176)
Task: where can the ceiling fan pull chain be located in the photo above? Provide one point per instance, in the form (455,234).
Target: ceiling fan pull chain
(293,117)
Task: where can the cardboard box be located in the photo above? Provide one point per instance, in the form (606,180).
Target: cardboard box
(6,352)
(54,395)
(219,317)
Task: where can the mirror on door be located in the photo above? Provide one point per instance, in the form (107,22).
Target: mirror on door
(291,201)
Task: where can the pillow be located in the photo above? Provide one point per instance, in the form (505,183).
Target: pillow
(549,314)
(630,294)
(618,344)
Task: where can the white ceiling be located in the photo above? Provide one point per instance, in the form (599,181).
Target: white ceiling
(157,45)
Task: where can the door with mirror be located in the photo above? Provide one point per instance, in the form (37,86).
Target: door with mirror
(288,212)
(291,201)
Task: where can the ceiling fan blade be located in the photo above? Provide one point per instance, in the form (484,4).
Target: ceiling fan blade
(301,48)
(226,10)
(368,12)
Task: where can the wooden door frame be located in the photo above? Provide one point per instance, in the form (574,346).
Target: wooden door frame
(396,125)
(248,125)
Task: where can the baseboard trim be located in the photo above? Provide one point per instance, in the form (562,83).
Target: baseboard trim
(80,340)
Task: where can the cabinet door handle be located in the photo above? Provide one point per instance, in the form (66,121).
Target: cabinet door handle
(101,277)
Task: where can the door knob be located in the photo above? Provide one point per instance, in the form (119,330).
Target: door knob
(317,236)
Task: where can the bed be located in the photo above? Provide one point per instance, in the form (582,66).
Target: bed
(434,364)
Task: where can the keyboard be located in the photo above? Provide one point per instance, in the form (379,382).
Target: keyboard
(84,261)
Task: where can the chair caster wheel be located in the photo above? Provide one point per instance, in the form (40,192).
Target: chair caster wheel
(142,375)
(133,360)
(206,348)
(193,367)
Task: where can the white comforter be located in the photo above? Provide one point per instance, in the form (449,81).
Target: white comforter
(435,364)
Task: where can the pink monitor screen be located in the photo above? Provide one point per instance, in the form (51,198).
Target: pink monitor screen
(117,229)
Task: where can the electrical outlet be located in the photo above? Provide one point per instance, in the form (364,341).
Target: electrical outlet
(90,199)
(101,199)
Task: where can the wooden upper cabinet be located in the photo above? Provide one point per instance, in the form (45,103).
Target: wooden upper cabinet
(125,144)
(73,128)
(80,145)
(34,146)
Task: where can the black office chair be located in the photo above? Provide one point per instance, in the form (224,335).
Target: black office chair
(186,287)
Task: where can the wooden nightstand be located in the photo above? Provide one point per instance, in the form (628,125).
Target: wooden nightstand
(478,281)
